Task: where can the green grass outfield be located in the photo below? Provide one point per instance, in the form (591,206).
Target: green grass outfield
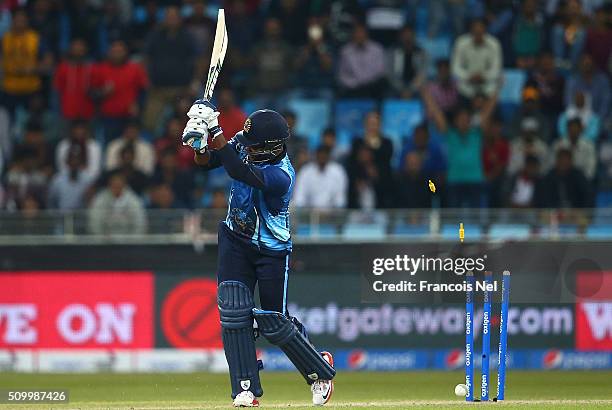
(433,390)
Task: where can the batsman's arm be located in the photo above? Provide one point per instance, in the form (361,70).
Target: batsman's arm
(270,179)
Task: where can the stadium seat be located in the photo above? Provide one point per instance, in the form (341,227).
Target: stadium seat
(408,230)
(509,231)
(322,230)
(313,116)
(248,106)
(561,231)
(451,231)
(437,48)
(599,232)
(364,231)
(512,88)
(399,118)
(604,199)
(349,119)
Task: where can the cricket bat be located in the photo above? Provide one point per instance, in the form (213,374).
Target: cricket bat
(218,55)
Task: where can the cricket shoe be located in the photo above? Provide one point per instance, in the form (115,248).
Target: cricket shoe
(246,399)
(322,390)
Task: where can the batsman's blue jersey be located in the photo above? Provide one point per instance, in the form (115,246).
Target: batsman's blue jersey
(260,216)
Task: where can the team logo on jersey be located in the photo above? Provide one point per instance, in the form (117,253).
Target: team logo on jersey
(247,125)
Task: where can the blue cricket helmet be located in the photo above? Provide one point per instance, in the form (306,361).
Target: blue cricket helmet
(264,135)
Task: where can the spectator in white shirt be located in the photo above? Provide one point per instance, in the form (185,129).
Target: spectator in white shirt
(583,150)
(80,135)
(476,61)
(144,160)
(321,183)
(68,187)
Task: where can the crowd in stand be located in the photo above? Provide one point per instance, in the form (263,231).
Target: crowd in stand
(93,97)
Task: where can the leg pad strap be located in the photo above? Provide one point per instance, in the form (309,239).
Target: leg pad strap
(279,330)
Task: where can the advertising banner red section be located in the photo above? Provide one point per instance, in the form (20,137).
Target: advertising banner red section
(594,311)
(189,315)
(76,309)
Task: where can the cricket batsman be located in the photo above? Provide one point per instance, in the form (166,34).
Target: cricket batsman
(254,249)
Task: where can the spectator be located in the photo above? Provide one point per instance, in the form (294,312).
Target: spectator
(463,141)
(321,184)
(477,61)
(407,64)
(550,85)
(30,209)
(568,35)
(412,191)
(599,38)
(293,15)
(525,185)
(593,82)
(34,138)
(111,27)
(162,197)
(580,107)
(528,35)
(81,20)
(270,74)
(170,56)
(297,145)
(377,161)
(72,80)
(495,159)
(118,84)
(231,117)
(564,186)
(583,150)
(45,20)
(182,183)
(37,112)
(441,10)
(314,65)
(443,88)
(244,29)
(136,179)
(25,177)
(92,154)
(68,187)
(529,144)
(143,25)
(116,210)
(144,159)
(430,153)
(361,69)
(23,63)
(201,28)
(329,140)
(170,140)
(363,178)
(531,109)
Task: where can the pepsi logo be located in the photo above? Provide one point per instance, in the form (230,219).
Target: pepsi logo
(357,359)
(454,359)
(552,359)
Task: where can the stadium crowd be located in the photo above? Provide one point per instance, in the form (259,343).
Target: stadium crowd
(94,94)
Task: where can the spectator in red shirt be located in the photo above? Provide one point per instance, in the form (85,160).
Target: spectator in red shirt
(72,81)
(495,157)
(599,38)
(118,83)
(231,117)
